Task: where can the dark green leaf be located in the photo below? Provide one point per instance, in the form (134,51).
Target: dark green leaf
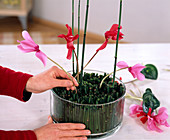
(149,101)
(150,72)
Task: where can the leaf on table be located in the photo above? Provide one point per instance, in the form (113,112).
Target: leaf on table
(150,72)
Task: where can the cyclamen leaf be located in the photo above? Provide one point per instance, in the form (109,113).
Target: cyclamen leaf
(149,101)
(150,72)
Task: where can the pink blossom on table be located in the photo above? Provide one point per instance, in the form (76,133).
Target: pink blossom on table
(28,45)
(111,34)
(134,109)
(151,125)
(162,117)
(134,70)
(152,120)
(69,38)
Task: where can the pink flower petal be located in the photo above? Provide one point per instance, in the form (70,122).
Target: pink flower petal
(70,45)
(115,27)
(26,36)
(140,76)
(138,67)
(42,57)
(62,36)
(75,37)
(103,46)
(28,45)
(69,54)
(151,125)
(69,38)
(111,34)
(122,64)
(134,109)
(136,71)
(20,47)
(162,116)
(69,30)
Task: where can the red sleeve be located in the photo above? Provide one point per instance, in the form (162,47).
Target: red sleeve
(13,83)
(17,135)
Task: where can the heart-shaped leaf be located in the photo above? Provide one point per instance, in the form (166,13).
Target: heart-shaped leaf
(150,72)
(149,101)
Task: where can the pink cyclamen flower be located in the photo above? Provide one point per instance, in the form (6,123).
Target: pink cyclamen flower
(152,120)
(111,34)
(28,45)
(69,38)
(135,70)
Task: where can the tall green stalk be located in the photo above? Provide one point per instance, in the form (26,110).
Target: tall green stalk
(84,41)
(73,32)
(78,41)
(117,41)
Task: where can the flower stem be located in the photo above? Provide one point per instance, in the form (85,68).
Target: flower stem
(137,88)
(78,41)
(87,63)
(77,64)
(109,75)
(84,41)
(132,97)
(130,81)
(166,69)
(117,41)
(61,68)
(73,31)
(133,92)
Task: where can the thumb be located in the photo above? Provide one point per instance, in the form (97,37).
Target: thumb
(50,120)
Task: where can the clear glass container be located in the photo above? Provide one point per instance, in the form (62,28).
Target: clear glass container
(100,119)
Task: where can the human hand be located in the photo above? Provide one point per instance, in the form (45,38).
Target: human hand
(53,77)
(62,131)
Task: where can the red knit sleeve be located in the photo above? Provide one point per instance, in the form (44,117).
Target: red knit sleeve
(13,83)
(17,135)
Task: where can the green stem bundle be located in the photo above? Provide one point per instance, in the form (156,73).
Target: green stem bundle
(78,41)
(117,41)
(84,41)
(73,32)
(77,64)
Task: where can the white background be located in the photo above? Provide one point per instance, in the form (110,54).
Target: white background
(143,20)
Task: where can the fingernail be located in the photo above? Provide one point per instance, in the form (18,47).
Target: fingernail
(83,126)
(88,132)
(49,118)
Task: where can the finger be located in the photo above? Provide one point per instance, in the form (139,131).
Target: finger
(62,83)
(73,138)
(64,75)
(67,88)
(74,133)
(70,126)
(49,120)
(73,88)
(74,80)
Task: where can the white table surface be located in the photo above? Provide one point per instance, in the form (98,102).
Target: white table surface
(15,115)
